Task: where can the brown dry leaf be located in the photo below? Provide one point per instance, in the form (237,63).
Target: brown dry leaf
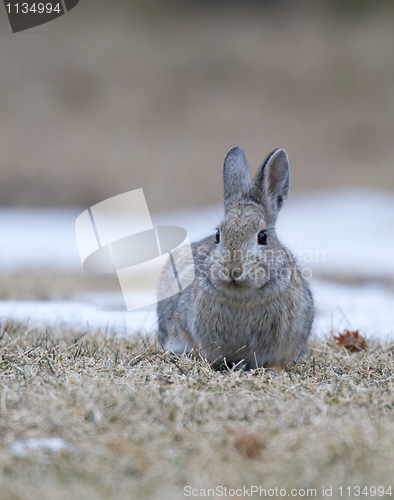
(352,341)
(248,444)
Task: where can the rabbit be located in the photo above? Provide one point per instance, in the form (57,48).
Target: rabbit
(249,304)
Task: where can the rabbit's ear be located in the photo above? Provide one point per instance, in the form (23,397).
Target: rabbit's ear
(235,177)
(271,185)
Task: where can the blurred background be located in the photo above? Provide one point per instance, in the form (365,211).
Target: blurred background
(119,95)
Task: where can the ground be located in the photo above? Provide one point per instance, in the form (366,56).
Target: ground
(141,423)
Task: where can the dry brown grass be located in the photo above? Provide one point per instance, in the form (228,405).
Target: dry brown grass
(144,424)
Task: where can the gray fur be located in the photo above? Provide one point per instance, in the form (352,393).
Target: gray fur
(248,301)
(271,185)
(236,177)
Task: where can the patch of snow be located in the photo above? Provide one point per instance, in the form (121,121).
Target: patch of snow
(366,307)
(27,447)
(38,238)
(93,313)
(345,231)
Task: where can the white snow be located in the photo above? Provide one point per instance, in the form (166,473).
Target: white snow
(343,232)
(366,307)
(25,448)
(38,238)
(349,230)
(89,314)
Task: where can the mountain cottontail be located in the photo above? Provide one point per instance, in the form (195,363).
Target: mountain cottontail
(248,303)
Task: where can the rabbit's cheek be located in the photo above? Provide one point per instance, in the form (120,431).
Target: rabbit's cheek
(261,278)
(250,276)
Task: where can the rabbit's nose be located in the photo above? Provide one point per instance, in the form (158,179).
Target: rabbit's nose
(236,272)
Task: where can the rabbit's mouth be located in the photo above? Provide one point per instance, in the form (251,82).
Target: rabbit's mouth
(233,287)
(245,282)
(236,288)
(242,285)
(239,287)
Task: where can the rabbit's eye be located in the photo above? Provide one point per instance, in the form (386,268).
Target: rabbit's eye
(262,238)
(217,236)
